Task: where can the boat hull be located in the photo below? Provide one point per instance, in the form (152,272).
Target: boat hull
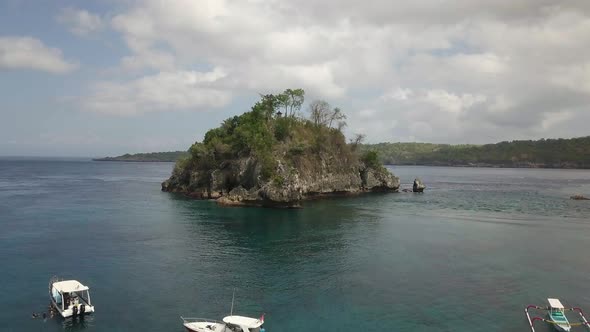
(562,328)
(204,327)
(561,323)
(69,312)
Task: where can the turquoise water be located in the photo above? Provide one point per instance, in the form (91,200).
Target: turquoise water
(467,255)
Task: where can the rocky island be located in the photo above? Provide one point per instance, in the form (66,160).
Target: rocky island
(273,156)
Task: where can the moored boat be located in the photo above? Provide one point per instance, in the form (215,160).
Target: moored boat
(556,313)
(229,324)
(70,298)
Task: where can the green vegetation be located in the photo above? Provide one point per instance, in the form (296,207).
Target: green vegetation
(273,155)
(550,153)
(276,135)
(148,157)
(371,158)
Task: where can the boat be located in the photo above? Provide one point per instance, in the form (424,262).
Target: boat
(231,323)
(70,298)
(556,314)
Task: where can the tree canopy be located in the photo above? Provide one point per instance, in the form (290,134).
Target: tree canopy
(557,153)
(262,133)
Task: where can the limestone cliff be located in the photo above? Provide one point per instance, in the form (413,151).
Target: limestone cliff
(240,182)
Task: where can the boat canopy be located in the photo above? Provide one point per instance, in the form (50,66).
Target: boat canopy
(555,303)
(247,322)
(69,286)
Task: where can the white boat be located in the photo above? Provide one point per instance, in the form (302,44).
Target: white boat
(556,316)
(70,298)
(556,312)
(229,324)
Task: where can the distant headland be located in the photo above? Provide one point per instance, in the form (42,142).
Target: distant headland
(544,153)
(147,157)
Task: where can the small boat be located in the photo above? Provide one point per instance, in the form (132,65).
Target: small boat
(70,298)
(229,324)
(556,313)
(556,316)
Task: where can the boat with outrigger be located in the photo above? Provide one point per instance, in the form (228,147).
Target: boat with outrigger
(556,313)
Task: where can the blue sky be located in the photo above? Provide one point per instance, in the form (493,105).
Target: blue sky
(94,78)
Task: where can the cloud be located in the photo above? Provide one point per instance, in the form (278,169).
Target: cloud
(445,71)
(452,103)
(165,91)
(80,22)
(31,53)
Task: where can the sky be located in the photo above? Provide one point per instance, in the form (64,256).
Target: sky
(107,77)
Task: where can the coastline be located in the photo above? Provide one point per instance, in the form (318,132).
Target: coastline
(134,161)
(526,166)
(478,165)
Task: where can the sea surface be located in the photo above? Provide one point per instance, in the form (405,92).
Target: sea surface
(466,255)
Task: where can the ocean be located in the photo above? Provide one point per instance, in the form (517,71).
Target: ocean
(467,255)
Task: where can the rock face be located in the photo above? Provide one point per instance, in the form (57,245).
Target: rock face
(240,182)
(418,186)
(580,198)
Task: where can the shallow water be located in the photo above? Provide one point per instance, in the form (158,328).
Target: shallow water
(467,255)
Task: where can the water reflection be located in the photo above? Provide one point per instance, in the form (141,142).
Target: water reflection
(72,324)
(320,226)
(276,258)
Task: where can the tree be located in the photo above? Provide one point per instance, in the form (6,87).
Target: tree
(270,104)
(337,115)
(358,139)
(371,159)
(319,112)
(291,100)
(322,114)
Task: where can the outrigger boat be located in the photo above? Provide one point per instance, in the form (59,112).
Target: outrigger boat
(69,298)
(556,316)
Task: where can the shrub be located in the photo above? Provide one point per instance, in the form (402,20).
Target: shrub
(371,159)
(278,180)
(282,128)
(297,149)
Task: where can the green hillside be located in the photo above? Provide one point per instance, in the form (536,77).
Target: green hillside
(546,153)
(148,157)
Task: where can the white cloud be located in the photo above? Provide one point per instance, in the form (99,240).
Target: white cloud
(451,102)
(397,94)
(576,78)
(149,59)
(444,71)
(553,119)
(166,91)
(80,22)
(31,53)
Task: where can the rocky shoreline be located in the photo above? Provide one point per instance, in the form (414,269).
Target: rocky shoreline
(239,183)
(486,165)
